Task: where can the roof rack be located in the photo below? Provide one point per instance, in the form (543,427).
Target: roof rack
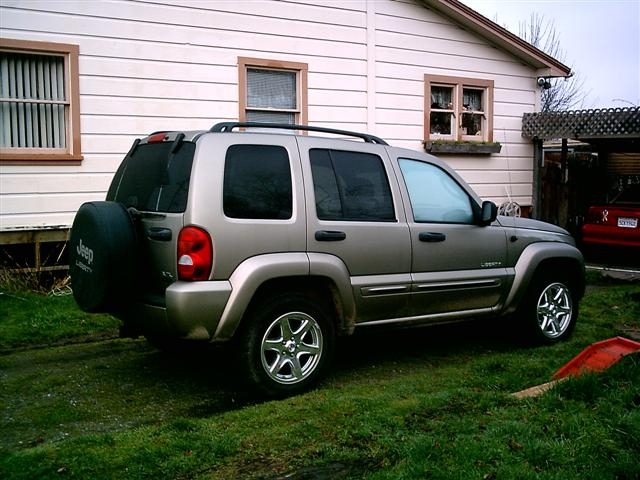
(228,126)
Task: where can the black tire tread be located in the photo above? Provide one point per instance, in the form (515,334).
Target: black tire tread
(103,256)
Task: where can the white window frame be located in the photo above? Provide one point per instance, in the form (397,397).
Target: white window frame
(67,124)
(457,109)
(300,69)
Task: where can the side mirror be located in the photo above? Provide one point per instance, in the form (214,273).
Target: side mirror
(489,212)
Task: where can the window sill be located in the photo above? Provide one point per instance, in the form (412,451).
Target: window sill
(462,148)
(39,158)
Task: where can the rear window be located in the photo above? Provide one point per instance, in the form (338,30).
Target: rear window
(152,178)
(631,194)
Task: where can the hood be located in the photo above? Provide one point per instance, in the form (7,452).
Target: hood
(530,224)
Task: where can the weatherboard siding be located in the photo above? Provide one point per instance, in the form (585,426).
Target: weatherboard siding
(146,67)
(412,41)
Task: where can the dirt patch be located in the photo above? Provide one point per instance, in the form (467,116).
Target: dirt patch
(76,340)
(58,393)
(631,331)
(332,471)
(254,470)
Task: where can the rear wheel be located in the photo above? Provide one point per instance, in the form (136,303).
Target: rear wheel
(550,309)
(286,344)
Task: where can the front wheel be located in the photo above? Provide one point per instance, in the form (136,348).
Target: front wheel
(286,344)
(550,310)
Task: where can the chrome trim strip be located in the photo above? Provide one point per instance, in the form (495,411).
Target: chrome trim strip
(431,318)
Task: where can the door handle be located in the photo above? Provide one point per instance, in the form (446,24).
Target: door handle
(159,233)
(432,237)
(330,236)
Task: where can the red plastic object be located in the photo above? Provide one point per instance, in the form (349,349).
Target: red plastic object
(598,356)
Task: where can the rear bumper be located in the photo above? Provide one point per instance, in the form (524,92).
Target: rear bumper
(191,311)
(610,236)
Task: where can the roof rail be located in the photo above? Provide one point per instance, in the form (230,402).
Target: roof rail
(228,126)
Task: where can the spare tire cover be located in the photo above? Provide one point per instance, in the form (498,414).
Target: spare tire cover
(102,257)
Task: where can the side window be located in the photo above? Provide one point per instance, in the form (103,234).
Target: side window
(257,182)
(434,195)
(350,186)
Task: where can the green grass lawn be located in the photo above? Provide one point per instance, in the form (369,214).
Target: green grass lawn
(427,403)
(33,319)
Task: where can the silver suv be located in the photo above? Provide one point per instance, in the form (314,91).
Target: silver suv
(278,243)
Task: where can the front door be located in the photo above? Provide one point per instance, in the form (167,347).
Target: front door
(458,265)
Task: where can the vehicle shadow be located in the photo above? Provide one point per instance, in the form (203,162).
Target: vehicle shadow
(208,381)
(203,377)
(60,392)
(376,345)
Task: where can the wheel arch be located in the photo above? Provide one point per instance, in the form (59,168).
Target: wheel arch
(543,257)
(319,289)
(267,275)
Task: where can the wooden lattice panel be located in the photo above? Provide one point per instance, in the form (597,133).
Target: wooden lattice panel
(583,124)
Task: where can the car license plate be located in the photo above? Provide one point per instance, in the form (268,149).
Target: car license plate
(626,222)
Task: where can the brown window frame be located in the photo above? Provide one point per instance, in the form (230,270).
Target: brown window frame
(301,70)
(459,84)
(72,150)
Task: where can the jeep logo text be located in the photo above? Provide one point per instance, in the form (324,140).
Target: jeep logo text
(85,252)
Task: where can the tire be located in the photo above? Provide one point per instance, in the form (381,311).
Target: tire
(550,310)
(286,344)
(102,257)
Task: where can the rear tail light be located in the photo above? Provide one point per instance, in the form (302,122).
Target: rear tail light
(157,137)
(195,254)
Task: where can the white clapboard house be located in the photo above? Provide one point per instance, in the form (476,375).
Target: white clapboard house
(82,79)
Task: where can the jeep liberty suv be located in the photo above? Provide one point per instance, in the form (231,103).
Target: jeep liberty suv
(277,243)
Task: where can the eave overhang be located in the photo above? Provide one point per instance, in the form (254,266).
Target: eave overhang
(500,37)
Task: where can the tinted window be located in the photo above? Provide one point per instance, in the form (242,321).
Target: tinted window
(434,195)
(257,182)
(350,186)
(152,178)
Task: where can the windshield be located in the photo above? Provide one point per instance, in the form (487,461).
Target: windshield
(153,178)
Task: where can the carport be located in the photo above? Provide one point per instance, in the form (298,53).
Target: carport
(599,152)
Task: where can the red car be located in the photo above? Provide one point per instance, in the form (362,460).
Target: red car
(616,224)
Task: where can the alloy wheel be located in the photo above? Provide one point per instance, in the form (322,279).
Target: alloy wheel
(554,310)
(291,348)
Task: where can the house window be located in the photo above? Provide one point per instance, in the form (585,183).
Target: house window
(272,91)
(458,109)
(39,101)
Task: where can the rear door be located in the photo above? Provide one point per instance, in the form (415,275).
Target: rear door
(153,183)
(355,213)
(457,265)
(247,191)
